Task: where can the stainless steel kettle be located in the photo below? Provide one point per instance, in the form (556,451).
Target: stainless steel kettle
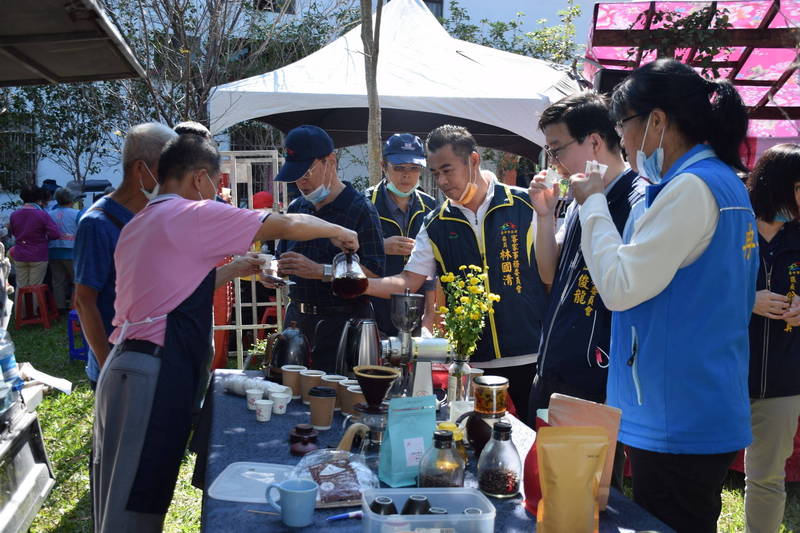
(360,344)
(290,347)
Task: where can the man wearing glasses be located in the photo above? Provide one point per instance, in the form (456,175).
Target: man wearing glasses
(402,208)
(573,355)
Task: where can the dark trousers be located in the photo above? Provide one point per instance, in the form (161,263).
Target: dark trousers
(519,386)
(681,490)
(324,331)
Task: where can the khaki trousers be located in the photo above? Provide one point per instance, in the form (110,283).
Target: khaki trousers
(29,273)
(774,426)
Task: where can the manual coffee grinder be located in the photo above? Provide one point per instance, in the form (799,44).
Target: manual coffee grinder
(406,312)
(375,382)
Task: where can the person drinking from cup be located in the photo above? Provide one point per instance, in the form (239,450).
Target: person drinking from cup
(157,372)
(482,222)
(320,313)
(402,207)
(682,289)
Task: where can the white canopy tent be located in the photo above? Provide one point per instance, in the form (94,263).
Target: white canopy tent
(425,79)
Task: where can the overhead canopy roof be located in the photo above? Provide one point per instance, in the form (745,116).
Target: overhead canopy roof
(54,41)
(760,55)
(425,79)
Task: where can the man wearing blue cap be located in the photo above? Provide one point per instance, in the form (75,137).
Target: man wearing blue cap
(402,208)
(320,314)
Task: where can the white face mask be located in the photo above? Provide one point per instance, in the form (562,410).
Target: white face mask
(212,186)
(149,194)
(319,194)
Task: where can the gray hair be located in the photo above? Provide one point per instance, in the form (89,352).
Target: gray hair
(64,196)
(144,142)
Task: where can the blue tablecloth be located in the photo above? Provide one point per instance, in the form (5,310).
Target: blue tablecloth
(235,436)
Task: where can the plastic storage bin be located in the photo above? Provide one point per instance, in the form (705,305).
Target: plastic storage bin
(455,500)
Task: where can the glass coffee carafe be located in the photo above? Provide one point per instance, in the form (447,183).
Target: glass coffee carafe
(349,280)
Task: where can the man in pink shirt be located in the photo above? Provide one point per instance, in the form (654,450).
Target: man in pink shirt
(158,371)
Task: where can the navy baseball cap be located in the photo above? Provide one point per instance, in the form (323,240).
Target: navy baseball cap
(303,145)
(404,149)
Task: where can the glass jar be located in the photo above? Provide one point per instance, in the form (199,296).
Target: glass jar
(499,467)
(458,376)
(491,395)
(441,466)
(458,438)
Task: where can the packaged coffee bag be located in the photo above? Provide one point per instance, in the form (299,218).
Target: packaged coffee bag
(571,461)
(408,436)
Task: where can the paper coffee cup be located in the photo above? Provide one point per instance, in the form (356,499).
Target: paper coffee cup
(332,381)
(264,410)
(252,396)
(291,378)
(322,400)
(341,392)
(308,379)
(280,401)
(352,396)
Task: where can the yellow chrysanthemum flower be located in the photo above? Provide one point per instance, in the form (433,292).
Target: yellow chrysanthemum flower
(442,310)
(475,316)
(464,299)
(462,267)
(459,309)
(475,289)
(474,281)
(494,297)
(474,267)
(448,277)
(460,284)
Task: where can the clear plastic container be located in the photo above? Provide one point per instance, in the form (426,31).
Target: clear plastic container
(454,500)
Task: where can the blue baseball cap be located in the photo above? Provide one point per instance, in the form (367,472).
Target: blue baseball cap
(304,144)
(404,149)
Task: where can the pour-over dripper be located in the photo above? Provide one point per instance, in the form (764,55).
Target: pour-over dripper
(375,382)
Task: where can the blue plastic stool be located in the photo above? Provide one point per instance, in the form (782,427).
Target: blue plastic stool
(81,353)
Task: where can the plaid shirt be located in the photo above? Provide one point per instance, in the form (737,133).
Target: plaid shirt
(351,210)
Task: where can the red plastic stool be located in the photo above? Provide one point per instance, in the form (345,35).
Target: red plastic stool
(269,312)
(47,306)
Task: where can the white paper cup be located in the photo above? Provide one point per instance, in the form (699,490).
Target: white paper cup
(279,402)
(264,410)
(252,396)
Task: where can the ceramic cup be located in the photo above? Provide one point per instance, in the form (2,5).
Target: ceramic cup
(332,380)
(322,399)
(264,410)
(298,497)
(416,504)
(280,401)
(291,378)
(308,379)
(252,396)
(341,392)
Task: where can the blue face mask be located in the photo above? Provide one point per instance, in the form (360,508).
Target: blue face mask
(394,190)
(783,216)
(650,167)
(319,194)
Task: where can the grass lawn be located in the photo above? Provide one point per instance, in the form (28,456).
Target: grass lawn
(67,422)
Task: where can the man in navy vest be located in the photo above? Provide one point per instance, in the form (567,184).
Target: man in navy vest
(485,223)
(573,354)
(402,208)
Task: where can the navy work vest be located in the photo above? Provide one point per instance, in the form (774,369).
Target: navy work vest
(507,253)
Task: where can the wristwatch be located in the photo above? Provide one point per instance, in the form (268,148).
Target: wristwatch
(327,273)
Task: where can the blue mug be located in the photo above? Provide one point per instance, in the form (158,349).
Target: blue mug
(298,499)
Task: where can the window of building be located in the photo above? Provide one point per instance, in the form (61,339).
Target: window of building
(436,7)
(276,6)
(19,158)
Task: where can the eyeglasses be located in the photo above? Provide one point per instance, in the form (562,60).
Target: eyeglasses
(407,168)
(553,154)
(618,125)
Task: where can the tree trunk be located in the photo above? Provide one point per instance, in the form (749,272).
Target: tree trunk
(371,41)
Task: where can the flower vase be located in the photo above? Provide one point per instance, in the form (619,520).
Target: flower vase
(458,376)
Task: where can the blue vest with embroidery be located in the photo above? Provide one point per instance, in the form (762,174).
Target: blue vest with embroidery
(679,361)
(508,234)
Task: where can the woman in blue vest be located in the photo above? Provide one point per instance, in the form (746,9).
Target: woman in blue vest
(401,207)
(66,218)
(774,337)
(682,289)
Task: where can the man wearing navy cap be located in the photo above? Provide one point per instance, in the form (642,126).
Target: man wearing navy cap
(402,208)
(311,164)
